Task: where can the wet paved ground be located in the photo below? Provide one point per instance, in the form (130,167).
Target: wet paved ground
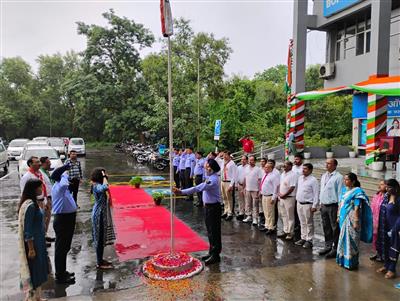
(253,267)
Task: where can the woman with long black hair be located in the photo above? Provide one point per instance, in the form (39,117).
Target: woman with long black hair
(32,244)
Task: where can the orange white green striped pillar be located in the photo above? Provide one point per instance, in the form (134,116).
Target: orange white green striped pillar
(297,122)
(376,124)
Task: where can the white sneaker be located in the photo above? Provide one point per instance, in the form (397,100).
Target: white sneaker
(255,221)
(247,219)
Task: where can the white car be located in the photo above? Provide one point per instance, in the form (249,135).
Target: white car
(78,145)
(16,147)
(40,139)
(3,158)
(39,151)
(58,145)
(36,143)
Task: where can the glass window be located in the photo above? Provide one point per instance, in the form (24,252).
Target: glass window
(350,31)
(368,24)
(340,35)
(368,42)
(360,44)
(361,25)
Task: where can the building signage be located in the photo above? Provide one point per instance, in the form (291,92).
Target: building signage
(334,6)
(393,107)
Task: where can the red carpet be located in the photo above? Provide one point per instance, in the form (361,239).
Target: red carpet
(143,229)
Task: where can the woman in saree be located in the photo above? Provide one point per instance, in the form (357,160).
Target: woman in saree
(102,225)
(355,222)
(32,244)
(387,245)
(376,206)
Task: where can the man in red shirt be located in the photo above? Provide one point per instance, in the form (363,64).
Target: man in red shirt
(247,144)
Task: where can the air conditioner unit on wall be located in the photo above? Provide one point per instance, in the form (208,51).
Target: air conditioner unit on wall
(327,71)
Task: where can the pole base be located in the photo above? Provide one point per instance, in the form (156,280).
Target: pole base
(175,266)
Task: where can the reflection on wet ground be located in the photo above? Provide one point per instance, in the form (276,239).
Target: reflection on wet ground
(253,267)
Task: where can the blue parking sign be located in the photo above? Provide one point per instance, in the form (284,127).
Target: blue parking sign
(217,130)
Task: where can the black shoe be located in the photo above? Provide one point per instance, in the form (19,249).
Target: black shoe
(300,242)
(262,228)
(68,274)
(240,217)
(205,257)
(50,239)
(307,245)
(48,245)
(224,215)
(65,280)
(199,204)
(212,259)
(229,217)
(269,232)
(282,235)
(324,251)
(331,254)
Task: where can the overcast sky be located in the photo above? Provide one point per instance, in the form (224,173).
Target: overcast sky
(258,30)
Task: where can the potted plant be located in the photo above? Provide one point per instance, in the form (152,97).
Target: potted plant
(329,152)
(307,155)
(352,152)
(136,181)
(157,197)
(378,163)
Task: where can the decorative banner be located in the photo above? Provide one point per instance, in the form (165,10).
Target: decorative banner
(166,18)
(217,130)
(288,90)
(385,89)
(393,127)
(334,6)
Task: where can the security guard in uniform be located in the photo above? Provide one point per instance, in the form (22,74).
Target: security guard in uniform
(211,189)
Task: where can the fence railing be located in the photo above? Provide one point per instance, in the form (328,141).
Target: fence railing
(262,151)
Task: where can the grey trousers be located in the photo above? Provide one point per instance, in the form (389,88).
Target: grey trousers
(330,225)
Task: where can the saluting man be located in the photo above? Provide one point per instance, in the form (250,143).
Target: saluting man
(212,209)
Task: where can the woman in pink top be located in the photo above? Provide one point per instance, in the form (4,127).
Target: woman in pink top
(375,206)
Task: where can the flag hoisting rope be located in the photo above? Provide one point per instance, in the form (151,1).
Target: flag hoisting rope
(167,31)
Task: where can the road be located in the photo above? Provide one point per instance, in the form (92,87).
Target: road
(253,267)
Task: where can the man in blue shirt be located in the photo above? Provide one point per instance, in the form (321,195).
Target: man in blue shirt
(175,162)
(211,189)
(64,211)
(189,169)
(181,168)
(199,175)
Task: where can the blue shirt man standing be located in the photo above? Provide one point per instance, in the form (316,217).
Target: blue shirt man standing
(189,169)
(175,162)
(211,190)
(199,175)
(181,169)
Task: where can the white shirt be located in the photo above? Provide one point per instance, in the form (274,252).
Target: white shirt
(241,173)
(228,172)
(252,177)
(298,169)
(307,190)
(270,184)
(26,177)
(288,179)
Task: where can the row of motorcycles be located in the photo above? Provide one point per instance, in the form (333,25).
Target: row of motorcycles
(145,154)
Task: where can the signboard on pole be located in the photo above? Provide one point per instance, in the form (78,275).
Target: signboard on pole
(217,130)
(334,6)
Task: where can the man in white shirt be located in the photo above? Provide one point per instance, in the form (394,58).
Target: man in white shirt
(331,188)
(269,194)
(252,181)
(298,164)
(228,178)
(45,165)
(287,200)
(307,201)
(240,186)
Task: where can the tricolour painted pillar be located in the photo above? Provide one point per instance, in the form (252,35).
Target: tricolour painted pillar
(376,124)
(297,122)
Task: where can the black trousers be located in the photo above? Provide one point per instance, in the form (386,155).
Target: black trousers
(330,225)
(198,180)
(297,228)
(212,213)
(73,188)
(64,227)
(182,179)
(176,177)
(189,181)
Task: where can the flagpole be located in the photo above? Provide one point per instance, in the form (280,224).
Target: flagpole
(171,167)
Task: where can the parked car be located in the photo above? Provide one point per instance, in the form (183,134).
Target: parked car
(3,158)
(78,145)
(37,143)
(16,147)
(41,138)
(39,151)
(57,144)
